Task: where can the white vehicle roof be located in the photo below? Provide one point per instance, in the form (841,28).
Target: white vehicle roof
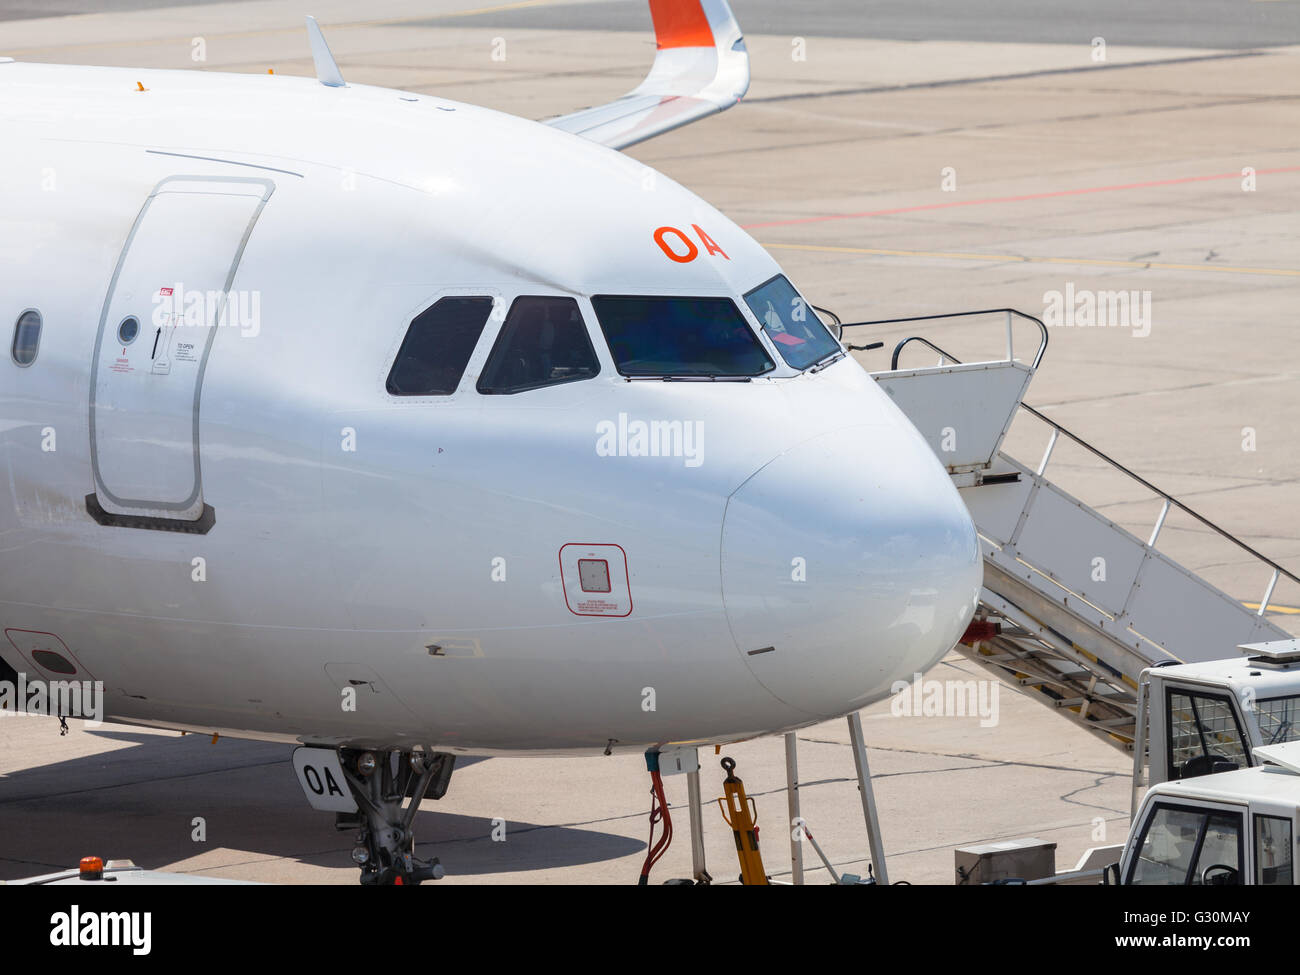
(1264,680)
(1278,782)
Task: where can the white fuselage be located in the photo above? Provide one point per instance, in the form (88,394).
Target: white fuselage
(353,530)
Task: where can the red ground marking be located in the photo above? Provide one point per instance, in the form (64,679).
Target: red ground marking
(1012,199)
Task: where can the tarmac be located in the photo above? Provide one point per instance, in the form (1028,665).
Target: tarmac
(899,159)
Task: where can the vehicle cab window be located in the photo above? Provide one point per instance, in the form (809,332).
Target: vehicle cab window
(1274,852)
(1219,859)
(543,342)
(437,347)
(1279,719)
(791,323)
(1183,845)
(1204,736)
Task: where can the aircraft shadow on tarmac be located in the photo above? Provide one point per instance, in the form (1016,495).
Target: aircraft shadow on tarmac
(140,802)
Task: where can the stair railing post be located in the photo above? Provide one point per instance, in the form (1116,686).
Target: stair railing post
(1160,523)
(792,798)
(868,798)
(1268,593)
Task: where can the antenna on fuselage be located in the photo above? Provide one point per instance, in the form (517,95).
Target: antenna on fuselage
(327,72)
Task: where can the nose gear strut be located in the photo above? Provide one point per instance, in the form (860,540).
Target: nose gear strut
(381,782)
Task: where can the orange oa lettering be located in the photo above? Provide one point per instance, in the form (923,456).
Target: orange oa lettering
(692,252)
(709,243)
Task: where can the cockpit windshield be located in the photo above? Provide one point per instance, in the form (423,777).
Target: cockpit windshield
(686,337)
(790,323)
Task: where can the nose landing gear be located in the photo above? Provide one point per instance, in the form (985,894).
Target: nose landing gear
(380,783)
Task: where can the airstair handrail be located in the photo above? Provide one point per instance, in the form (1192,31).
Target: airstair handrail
(1057,429)
(1169,499)
(893,363)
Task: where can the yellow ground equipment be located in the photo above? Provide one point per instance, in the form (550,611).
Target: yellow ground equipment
(741,815)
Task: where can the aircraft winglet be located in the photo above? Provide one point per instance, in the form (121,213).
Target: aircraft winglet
(701,68)
(327,72)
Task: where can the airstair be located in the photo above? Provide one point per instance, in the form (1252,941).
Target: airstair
(1073,606)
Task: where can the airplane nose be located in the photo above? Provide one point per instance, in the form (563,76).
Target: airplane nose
(849,562)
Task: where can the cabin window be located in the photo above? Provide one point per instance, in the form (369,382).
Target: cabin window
(27,337)
(437,347)
(543,342)
(670,337)
(791,323)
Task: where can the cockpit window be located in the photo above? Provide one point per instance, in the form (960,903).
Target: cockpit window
(437,347)
(790,323)
(542,343)
(670,336)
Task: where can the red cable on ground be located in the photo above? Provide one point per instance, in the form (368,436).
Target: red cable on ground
(658,811)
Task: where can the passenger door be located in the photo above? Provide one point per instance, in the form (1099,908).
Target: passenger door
(161,316)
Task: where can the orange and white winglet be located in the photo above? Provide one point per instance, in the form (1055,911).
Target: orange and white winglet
(701,68)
